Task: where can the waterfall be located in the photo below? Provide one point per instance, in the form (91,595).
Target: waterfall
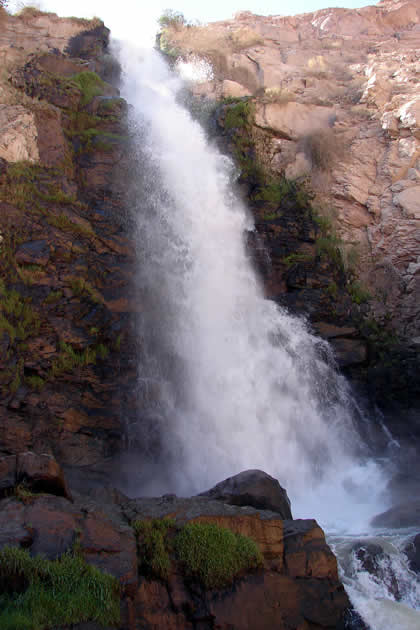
(236,381)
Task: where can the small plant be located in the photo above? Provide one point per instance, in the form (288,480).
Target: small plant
(70,359)
(296,258)
(62,222)
(153,546)
(214,555)
(358,294)
(53,297)
(237,115)
(55,593)
(90,84)
(274,192)
(83,288)
(35,382)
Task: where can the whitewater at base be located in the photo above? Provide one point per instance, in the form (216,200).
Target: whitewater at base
(228,380)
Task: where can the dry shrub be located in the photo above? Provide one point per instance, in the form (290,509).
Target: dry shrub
(244,38)
(29,12)
(323,148)
(277,95)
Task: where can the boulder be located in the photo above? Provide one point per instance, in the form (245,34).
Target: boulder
(402,515)
(255,488)
(41,473)
(412,551)
(374,560)
(7,474)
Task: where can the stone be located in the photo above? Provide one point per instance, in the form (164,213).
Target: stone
(403,515)
(255,488)
(374,560)
(349,351)
(54,523)
(33,253)
(14,532)
(409,200)
(41,473)
(412,551)
(7,475)
(18,135)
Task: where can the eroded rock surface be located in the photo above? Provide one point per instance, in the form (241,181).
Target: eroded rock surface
(336,100)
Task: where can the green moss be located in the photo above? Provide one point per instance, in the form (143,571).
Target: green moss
(90,84)
(214,555)
(274,192)
(327,248)
(61,592)
(332,289)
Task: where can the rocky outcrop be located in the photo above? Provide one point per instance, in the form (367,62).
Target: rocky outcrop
(65,258)
(295,585)
(336,101)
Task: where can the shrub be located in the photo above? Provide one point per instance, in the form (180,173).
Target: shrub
(90,84)
(322,148)
(214,555)
(54,593)
(171,19)
(237,115)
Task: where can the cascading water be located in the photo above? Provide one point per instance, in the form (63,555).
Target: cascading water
(228,380)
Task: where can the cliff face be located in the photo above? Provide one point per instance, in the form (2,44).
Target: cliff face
(65,262)
(335,102)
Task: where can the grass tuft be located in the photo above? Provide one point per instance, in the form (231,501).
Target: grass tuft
(90,84)
(152,546)
(51,593)
(214,555)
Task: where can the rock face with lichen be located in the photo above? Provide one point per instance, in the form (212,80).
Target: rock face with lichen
(336,102)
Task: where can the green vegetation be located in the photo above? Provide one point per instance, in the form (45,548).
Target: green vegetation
(153,548)
(17,316)
(35,382)
(69,359)
(274,191)
(54,593)
(53,297)
(90,84)
(358,294)
(83,288)
(214,555)
(237,115)
(171,19)
(296,258)
(62,222)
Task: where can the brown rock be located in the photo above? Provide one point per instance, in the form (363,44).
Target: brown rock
(55,524)
(41,473)
(13,530)
(7,474)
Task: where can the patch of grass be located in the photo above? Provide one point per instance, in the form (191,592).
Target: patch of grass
(332,289)
(69,359)
(214,555)
(62,222)
(274,192)
(55,593)
(328,248)
(358,294)
(53,297)
(35,382)
(153,548)
(295,258)
(237,115)
(90,84)
(83,288)
(17,317)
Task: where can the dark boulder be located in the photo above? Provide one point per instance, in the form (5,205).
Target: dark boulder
(375,561)
(254,488)
(402,515)
(412,551)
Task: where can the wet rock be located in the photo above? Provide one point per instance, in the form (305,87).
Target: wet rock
(403,515)
(374,560)
(255,488)
(412,552)
(349,351)
(33,253)
(7,475)
(14,531)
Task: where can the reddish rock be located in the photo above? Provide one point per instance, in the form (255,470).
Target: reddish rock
(14,531)
(41,473)
(55,524)
(33,253)
(7,474)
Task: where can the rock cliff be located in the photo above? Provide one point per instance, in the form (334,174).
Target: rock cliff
(336,103)
(65,260)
